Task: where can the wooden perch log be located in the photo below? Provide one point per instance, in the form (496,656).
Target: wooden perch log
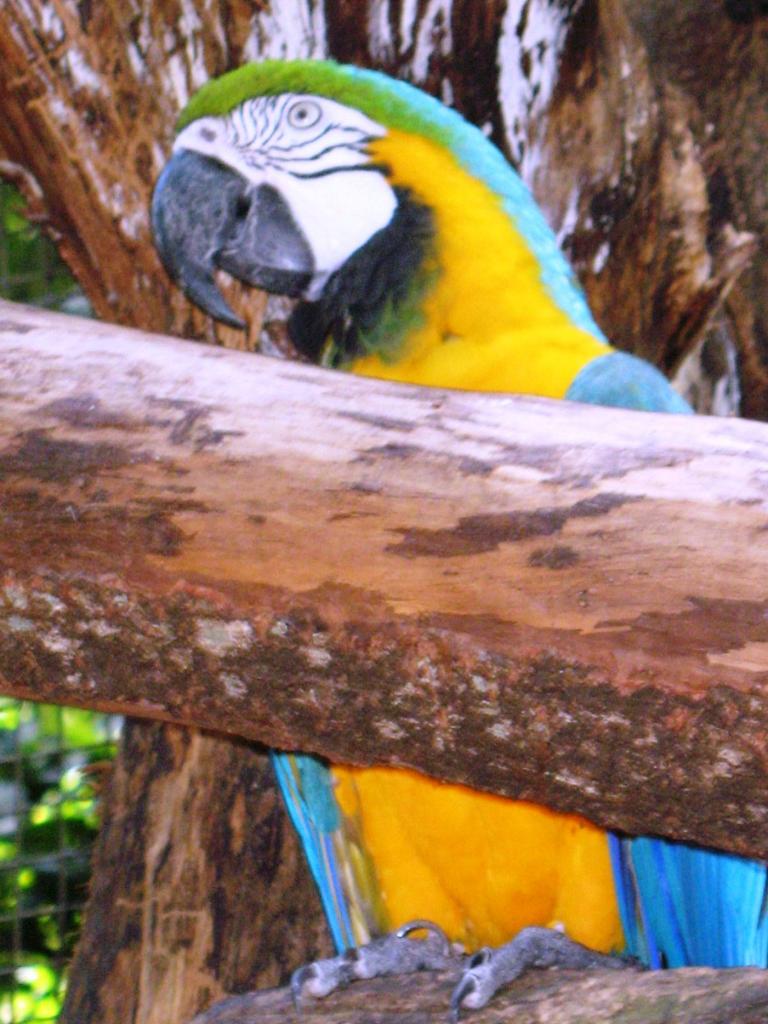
(552,601)
(688,996)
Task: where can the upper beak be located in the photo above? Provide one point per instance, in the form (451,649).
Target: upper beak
(205,215)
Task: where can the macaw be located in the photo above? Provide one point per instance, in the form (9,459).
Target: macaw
(420,256)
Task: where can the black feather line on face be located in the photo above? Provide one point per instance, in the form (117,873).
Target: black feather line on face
(327,171)
(378,277)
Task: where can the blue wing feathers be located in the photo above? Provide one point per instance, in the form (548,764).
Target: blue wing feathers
(624,381)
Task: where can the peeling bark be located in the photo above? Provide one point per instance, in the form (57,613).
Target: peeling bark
(570,595)
(686,40)
(609,151)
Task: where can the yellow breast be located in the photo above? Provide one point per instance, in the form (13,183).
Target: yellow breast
(481,866)
(490,323)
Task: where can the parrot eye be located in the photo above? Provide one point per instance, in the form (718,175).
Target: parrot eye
(304,114)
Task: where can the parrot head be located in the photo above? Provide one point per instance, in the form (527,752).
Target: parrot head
(274,178)
(352,191)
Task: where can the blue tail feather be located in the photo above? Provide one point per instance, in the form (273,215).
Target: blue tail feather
(307,792)
(640,941)
(695,906)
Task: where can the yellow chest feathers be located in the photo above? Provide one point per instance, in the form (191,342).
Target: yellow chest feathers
(481,866)
(489,324)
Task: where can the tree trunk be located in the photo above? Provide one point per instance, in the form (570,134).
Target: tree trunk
(90,92)
(188,905)
(687,39)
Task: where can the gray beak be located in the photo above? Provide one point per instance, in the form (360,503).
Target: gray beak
(206,216)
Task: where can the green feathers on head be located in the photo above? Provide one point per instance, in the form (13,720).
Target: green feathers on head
(392,103)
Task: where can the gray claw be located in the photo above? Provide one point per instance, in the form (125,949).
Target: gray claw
(474,989)
(422,925)
(391,954)
(397,954)
(462,997)
(322,977)
(490,969)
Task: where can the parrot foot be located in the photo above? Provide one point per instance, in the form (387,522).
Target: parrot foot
(489,969)
(395,953)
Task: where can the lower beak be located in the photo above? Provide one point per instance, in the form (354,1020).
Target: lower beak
(206,216)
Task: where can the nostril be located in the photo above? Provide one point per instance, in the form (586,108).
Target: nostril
(242,207)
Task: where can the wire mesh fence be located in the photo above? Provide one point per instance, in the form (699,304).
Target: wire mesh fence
(52,759)
(52,762)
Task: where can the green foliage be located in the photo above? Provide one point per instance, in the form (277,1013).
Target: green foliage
(38,995)
(30,268)
(48,822)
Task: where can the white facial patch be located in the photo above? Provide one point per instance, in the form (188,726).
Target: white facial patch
(314,151)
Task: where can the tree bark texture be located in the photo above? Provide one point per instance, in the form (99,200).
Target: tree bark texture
(608,141)
(189,905)
(719,64)
(688,996)
(572,597)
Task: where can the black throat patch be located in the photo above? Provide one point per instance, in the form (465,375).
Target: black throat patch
(370,302)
